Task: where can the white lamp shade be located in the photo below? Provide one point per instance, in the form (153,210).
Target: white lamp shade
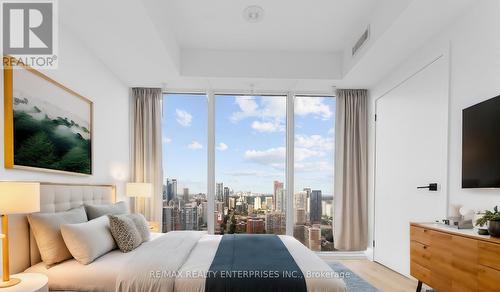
(139,190)
(19,197)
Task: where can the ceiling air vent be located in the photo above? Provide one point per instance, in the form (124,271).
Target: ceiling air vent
(361,41)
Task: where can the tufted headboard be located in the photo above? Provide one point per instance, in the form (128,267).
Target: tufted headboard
(53,198)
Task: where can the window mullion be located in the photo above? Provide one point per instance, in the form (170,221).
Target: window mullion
(211,164)
(290,139)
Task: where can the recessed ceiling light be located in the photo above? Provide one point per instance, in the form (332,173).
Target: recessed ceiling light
(253,13)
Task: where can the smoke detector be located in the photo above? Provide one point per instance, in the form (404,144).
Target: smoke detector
(253,13)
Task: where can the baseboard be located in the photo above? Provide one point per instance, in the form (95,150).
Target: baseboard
(343,255)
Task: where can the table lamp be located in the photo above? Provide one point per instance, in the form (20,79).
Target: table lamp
(142,190)
(15,198)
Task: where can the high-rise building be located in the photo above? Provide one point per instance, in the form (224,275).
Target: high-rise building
(168,219)
(250,209)
(219,192)
(189,218)
(219,207)
(277,187)
(313,237)
(232,203)
(275,223)
(257,203)
(308,201)
(185,195)
(300,200)
(300,216)
(255,225)
(315,215)
(226,196)
(204,210)
(280,200)
(174,188)
(269,203)
(170,190)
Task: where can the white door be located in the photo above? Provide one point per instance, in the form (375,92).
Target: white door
(411,151)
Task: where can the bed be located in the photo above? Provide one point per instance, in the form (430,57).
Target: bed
(179,260)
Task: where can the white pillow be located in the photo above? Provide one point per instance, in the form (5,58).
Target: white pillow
(90,240)
(46,228)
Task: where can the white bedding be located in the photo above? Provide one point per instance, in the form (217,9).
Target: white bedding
(186,253)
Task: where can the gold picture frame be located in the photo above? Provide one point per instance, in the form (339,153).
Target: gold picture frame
(84,129)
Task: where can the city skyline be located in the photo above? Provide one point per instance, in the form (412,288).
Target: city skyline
(254,213)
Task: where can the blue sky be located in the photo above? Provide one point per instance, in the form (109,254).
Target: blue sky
(250,141)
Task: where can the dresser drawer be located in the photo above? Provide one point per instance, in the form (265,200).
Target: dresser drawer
(441,253)
(420,254)
(489,255)
(419,272)
(464,262)
(488,279)
(420,234)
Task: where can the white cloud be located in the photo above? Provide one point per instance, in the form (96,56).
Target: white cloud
(268,127)
(314,142)
(302,154)
(248,108)
(222,146)
(183,117)
(312,105)
(166,140)
(195,145)
(269,108)
(275,157)
(314,166)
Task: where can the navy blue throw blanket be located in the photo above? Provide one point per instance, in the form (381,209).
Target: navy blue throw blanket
(254,262)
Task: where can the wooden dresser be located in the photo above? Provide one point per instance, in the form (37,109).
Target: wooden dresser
(449,259)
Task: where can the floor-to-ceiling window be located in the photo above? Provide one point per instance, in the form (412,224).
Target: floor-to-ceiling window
(249,151)
(184,162)
(313,171)
(250,164)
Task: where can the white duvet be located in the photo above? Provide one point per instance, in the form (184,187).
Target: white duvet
(175,261)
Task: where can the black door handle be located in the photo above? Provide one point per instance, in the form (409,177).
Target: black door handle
(432,187)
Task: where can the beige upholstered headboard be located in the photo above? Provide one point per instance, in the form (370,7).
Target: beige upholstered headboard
(53,198)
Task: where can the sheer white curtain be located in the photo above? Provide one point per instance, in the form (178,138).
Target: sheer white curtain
(351,171)
(147,149)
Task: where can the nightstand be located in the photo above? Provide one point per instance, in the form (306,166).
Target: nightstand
(30,282)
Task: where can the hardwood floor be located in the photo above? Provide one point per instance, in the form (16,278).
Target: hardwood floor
(379,276)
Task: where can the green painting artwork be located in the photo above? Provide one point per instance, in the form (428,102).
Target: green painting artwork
(48,126)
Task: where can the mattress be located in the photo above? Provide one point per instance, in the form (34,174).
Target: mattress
(116,271)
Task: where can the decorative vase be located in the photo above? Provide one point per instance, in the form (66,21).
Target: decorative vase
(494,228)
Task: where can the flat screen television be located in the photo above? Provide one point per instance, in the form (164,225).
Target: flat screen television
(481,145)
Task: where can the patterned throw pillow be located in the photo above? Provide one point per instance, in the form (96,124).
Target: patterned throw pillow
(124,232)
(142,225)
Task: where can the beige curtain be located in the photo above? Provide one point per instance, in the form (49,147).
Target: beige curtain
(351,172)
(147,149)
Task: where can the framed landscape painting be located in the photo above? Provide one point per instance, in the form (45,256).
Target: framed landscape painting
(47,126)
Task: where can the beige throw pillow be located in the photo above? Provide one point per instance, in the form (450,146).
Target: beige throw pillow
(46,229)
(90,240)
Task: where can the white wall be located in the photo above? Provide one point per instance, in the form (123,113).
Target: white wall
(80,71)
(473,46)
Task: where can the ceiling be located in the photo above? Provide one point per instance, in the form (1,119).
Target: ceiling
(299,45)
(287,25)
